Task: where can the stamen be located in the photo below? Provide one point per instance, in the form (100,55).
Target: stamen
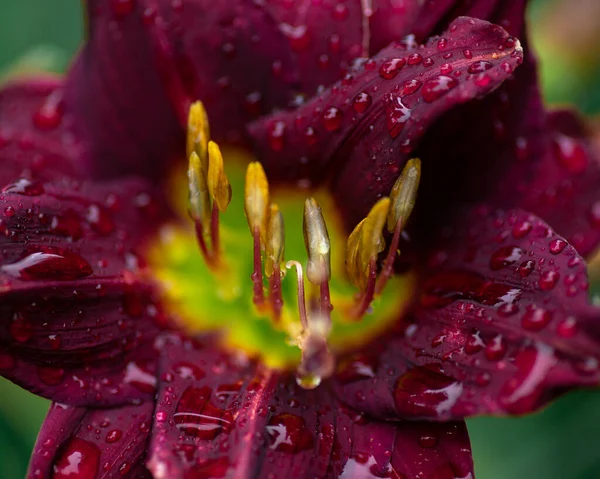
(370,244)
(404,193)
(316,239)
(198,131)
(274,257)
(256,199)
(218,183)
(256,205)
(403,196)
(199,202)
(365,243)
(301,295)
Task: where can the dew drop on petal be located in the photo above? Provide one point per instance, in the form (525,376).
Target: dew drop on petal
(437,87)
(79,459)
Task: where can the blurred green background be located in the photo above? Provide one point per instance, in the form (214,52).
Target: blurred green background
(561,442)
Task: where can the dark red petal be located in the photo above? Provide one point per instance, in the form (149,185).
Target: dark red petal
(34,141)
(222,416)
(502,325)
(76,321)
(124,110)
(99,443)
(365,126)
(560,182)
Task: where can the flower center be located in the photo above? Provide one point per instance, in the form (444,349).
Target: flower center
(294,296)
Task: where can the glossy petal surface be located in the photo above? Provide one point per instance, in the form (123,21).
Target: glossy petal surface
(92,443)
(34,141)
(365,126)
(220,416)
(502,325)
(76,321)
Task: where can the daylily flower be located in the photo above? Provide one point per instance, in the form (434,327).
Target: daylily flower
(256,318)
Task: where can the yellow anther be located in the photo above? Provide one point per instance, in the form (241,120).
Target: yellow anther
(198,133)
(198,197)
(218,184)
(352,264)
(275,240)
(366,242)
(404,194)
(256,199)
(316,239)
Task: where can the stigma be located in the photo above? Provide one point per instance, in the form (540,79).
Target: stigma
(315,300)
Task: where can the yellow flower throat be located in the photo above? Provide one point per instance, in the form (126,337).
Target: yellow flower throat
(294,295)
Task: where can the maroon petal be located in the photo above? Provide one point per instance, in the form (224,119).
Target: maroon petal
(76,322)
(366,125)
(502,325)
(98,443)
(34,142)
(121,92)
(222,416)
(561,183)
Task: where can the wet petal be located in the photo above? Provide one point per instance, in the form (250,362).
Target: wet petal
(122,94)
(367,125)
(561,183)
(34,137)
(223,416)
(502,325)
(77,321)
(99,443)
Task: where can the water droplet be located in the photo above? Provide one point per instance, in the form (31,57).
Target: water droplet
(332,119)
(357,368)
(468,54)
(442,44)
(526,268)
(276,135)
(139,378)
(446,69)
(479,66)
(428,441)
(340,12)
(505,256)
(414,59)
(297,35)
(188,371)
(79,459)
(397,114)
(25,187)
(67,224)
(571,154)
(495,348)
(425,392)
(557,246)
(437,87)
(9,211)
(21,328)
(548,280)
(50,113)
(361,102)
(521,229)
(114,435)
(100,220)
(288,433)
(536,319)
(390,68)
(50,375)
(50,263)
(567,328)
(410,87)
(196,416)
